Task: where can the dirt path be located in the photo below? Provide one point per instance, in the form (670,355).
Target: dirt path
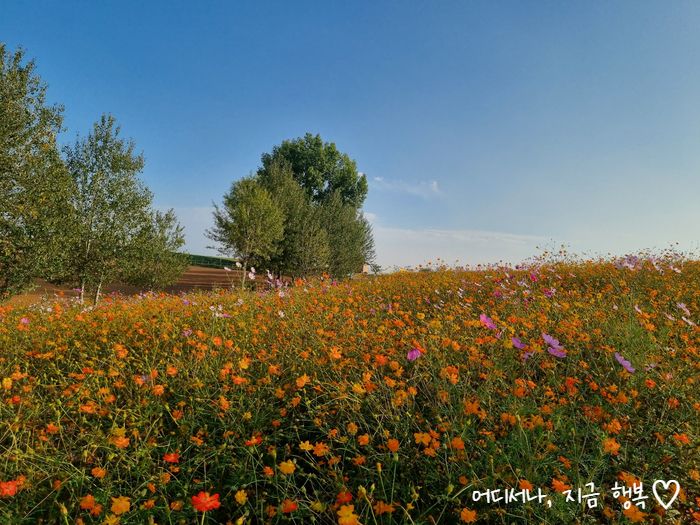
(194,278)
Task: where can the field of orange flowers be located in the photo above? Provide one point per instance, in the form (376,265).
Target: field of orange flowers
(447,396)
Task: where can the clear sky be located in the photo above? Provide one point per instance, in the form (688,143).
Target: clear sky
(486,129)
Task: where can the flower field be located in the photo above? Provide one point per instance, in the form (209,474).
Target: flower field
(388,399)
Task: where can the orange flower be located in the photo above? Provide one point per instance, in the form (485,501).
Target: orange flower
(682,439)
(347,516)
(634,514)
(98,472)
(204,502)
(393,445)
(422,438)
(120,441)
(120,505)
(321,449)
(524,484)
(288,506)
(8,488)
(363,439)
(287,467)
(383,508)
(343,498)
(611,446)
(87,502)
(467,515)
(172,457)
(560,486)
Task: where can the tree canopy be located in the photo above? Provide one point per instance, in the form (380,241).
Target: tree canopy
(320,169)
(316,191)
(116,235)
(34,184)
(248,225)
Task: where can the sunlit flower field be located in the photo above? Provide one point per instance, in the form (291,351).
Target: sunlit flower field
(387,399)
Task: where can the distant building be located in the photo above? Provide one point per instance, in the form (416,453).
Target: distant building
(365,268)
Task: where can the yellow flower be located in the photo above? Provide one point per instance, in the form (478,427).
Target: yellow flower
(120,505)
(287,467)
(241,497)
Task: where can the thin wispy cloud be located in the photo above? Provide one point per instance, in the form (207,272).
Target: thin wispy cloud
(424,189)
(409,247)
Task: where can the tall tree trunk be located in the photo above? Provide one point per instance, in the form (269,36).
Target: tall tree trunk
(245,264)
(82,291)
(97,292)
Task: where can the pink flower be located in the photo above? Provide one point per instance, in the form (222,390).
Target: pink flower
(557,352)
(487,322)
(517,343)
(413,354)
(625,363)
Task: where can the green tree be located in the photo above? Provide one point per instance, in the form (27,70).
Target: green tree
(154,260)
(304,249)
(34,184)
(320,169)
(112,217)
(349,235)
(249,225)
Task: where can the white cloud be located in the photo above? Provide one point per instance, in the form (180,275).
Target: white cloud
(424,189)
(371,217)
(410,247)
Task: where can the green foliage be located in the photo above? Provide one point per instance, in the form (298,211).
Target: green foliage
(305,248)
(319,192)
(153,260)
(249,225)
(349,234)
(33,181)
(320,169)
(115,235)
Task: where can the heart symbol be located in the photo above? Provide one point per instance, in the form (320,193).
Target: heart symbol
(666,485)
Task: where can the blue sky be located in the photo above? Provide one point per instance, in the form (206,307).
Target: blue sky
(486,129)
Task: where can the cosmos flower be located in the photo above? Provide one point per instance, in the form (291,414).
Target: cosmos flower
(624,362)
(487,322)
(204,502)
(554,343)
(555,347)
(557,352)
(413,354)
(517,343)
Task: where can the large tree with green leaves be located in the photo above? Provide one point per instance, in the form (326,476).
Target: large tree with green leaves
(320,168)
(350,237)
(34,184)
(304,249)
(316,191)
(115,234)
(249,225)
(153,259)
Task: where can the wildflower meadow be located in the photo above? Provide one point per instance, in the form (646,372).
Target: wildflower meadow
(411,397)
